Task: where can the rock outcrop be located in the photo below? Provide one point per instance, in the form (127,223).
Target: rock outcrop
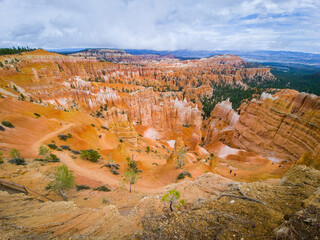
(222,123)
(286,124)
(124,131)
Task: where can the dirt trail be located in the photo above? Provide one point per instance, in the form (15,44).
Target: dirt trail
(35,146)
(95,173)
(88,170)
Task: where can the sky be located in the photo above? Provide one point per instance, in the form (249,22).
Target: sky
(288,25)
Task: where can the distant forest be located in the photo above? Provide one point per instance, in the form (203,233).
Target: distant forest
(222,92)
(302,78)
(298,77)
(7,51)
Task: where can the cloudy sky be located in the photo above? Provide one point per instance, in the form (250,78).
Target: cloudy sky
(292,25)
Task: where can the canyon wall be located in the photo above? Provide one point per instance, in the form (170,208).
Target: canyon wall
(285,125)
(222,122)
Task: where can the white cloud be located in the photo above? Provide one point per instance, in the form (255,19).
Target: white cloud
(162,24)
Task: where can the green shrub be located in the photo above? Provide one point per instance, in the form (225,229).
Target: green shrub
(62,137)
(132,164)
(82,187)
(43,151)
(90,155)
(52,146)
(65,147)
(63,181)
(18,161)
(15,157)
(14,153)
(75,152)
(39,160)
(102,188)
(7,124)
(53,158)
(69,135)
(172,197)
(148,149)
(2,128)
(183,174)
(37,115)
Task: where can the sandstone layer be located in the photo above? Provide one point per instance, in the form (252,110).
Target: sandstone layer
(286,124)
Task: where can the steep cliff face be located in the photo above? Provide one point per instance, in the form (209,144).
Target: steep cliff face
(285,125)
(222,123)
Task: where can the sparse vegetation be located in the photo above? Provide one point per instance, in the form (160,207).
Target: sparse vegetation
(132,164)
(52,146)
(102,188)
(7,124)
(63,181)
(53,158)
(181,155)
(76,152)
(69,135)
(183,174)
(130,177)
(49,157)
(43,151)
(65,147)
(82,187)
(147,149)
(22,97)
(90,155)
(2,128)
(172,197)
(18,161)
(63,137)
(37,115)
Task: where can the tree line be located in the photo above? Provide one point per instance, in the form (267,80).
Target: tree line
(14,50)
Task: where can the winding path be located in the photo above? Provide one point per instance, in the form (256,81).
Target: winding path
(89,170)
(35,146)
